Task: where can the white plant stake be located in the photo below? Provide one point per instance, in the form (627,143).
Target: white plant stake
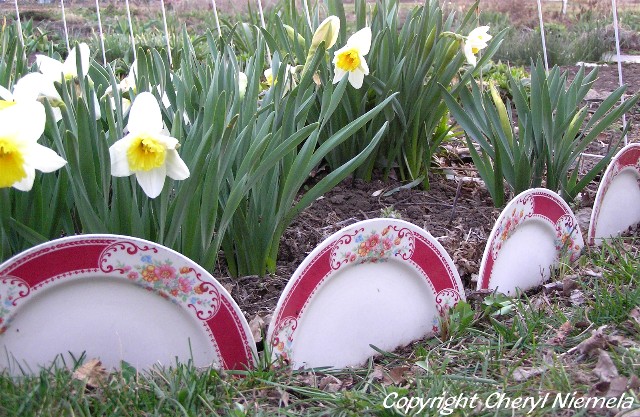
(64,23)
(215,15)
(305,3)
(20,30)
(264,26)
(104,54)
(544,41)
(133,41)
(166,31)
(614,6)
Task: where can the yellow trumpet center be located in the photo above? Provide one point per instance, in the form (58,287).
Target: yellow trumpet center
(348,60)
(475,50)
(11,163)
(4,104)
(146,153)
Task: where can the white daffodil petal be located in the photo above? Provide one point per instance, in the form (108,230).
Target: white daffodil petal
(145,116)
(339,74)
(70,64)
(363,66)
(24,120)
(168,141)
(51,68)
(26,184)
(469,55)
(361,40)
(96,104)
(176,168)
(5,94)
(29,87)
(118,156)
(356,78)
(243,81)
(45,159)
(152,181)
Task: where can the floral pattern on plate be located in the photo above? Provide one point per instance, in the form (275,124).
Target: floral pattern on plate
(568,238)
(180,284)
(373,246)
(11,290)
(282,340)
(522,210)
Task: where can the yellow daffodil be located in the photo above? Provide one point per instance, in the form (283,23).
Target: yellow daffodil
(475,41)
(21,125)
(350,58)
(31,87)
(145,151)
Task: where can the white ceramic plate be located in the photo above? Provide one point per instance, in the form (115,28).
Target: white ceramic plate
(381,282)
(116,298)
(617,203)
(533,232)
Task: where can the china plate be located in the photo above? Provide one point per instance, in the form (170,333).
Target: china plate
(380,282)
(116,298)
(617,203)
(533,232)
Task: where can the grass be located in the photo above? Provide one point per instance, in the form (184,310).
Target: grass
(534,346)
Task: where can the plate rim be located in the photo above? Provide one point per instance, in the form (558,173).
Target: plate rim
(485,283)
(613,170)
(110,242)
(329,243)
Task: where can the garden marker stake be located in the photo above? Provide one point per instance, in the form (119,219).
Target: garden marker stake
(614,7)
(24,56)
(215,15)
(305,3)
(544,41)
(104,54)
(133,41)
(166,31)
(264,26)
(64,23)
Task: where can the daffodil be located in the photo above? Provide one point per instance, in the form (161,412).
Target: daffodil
(327,32)
(475,41)
(31,87)
(289,73)
(21,125)
(145,151)
(242,84)
(56,71)
(350,58)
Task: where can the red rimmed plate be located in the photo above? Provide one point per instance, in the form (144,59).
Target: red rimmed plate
(380,282)
(617,203)
(534,231)
(116,298)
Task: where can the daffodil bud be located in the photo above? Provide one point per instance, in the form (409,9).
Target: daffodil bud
(327,32)
(242,84)
(294,37)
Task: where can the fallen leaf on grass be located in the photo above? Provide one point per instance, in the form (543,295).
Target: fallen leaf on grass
(257,326)
(330,383)
(92,373)
(561,334)
(614,388)
(552,286)
(576,298)
(635,315)
(524,373)
(634,382)
(605,368)
(632,413)
(396,376)
(598,340)
(569,283)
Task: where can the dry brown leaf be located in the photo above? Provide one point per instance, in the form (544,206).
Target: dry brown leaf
(617,387)
(257,326)
(552,286)
(524,373)
(576,298)
(92,373)
(634,382)
(597,341)
(377,374)
(396,376)
(605,368)
(330,383)
(308,380)
(284,398)
(635,315)
(632,413)
(561,334)
(569,283)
